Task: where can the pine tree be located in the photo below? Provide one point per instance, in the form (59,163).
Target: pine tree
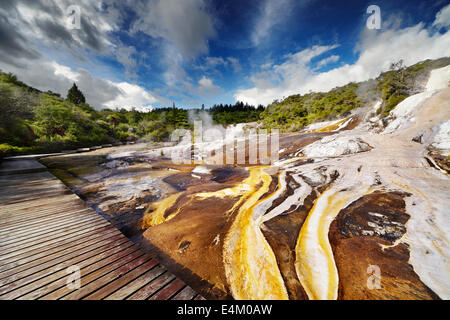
(75,95)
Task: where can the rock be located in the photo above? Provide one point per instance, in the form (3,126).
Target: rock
(333,146)
(116,164)
(418,138)
(441,140)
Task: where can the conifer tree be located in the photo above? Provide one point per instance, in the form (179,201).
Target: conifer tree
(75,95)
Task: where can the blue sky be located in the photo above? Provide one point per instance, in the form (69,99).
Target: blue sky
(152,53)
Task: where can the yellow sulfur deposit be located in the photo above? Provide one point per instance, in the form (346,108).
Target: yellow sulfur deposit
(250,264)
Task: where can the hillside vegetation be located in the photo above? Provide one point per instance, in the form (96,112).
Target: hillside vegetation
(297,111)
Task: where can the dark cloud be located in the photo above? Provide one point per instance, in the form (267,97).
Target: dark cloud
(104,91)
(89,35)
(48,6)
(186,24)
(54,31)
(48,23)
(13,45)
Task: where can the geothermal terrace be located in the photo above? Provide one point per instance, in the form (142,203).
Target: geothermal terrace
(352,209)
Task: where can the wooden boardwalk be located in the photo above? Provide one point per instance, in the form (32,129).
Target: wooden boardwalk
(45,229)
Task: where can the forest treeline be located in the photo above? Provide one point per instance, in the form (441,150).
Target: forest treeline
(34,121)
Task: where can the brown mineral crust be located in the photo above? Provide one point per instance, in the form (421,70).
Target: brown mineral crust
(272,187)
(219,174)
(193,240)
(281,233)
(228,174)
(293,142)
(167,164)
(183,180)
(289,191)
(185,196)
(356,245)
(354,121)
(442,161)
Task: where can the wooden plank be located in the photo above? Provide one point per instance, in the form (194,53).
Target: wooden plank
(21,200)
(41,201)
(71,251)
(15,244)
(169,290)
(58,279)
(38,207)
(53,242)
(135,285)
(119,283)
(19,279)
(22,192)
(42,220)
(149,289)
(27,232)
(50,238)
(107,278)
(186,294)
(34,214)
(52,224)
(89,278)
(70,246)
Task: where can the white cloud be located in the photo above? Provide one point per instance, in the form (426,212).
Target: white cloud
(235,64)
(213,63)
(99,93)
(186,24)
(173,60)
(280,80)
(126,56)
(130,96)
(273,11)
(443,17)
(207,88)
(324,62)
(378,49)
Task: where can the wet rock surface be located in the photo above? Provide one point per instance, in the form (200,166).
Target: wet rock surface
(363,237)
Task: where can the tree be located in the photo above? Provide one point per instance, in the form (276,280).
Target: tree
(398,66)
(75,95)
(113,119)
(53,117)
